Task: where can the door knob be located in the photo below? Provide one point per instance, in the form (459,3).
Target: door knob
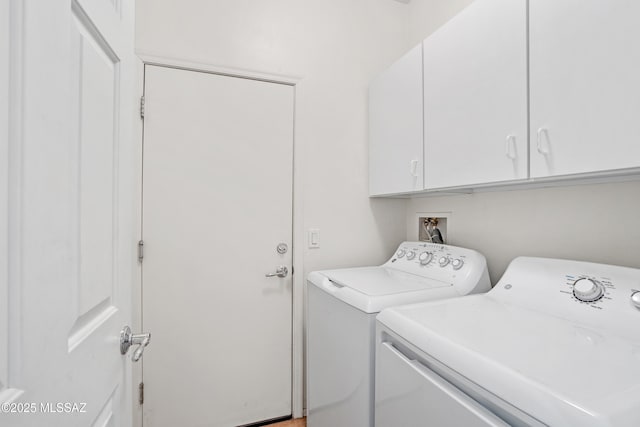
(127,339)
(282,271)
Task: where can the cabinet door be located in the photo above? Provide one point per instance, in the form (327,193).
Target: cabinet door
(475,96)
(395,127)
(585,86)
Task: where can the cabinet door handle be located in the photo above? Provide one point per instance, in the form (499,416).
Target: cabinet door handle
(510,147)
(540,133)
(413,169)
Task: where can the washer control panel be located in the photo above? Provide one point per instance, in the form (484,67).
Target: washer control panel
(425,258)
(463,268)
(429,254)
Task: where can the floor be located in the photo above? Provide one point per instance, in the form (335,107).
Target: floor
(298,422)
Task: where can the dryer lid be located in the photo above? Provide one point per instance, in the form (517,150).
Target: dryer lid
(557,370)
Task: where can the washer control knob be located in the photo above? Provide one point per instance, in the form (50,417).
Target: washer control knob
(425,258)
(587,290)
(411,255)
(457,264)
(635,299)
(400,253)
(443,261)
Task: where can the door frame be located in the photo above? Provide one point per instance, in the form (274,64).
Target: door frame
(297,315)
(11,39)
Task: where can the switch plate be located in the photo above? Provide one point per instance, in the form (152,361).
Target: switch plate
(314,238)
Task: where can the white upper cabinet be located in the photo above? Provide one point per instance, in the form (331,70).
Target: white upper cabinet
(511,91)
(475,96)
(585,86)
(395,127)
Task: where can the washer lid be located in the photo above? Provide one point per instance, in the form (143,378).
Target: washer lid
(376,281)
(371,289)
(558,371)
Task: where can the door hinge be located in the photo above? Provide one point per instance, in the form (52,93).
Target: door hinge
(142,107)
(140,250)
(141,393)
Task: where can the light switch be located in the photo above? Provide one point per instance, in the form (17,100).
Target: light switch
(314,238)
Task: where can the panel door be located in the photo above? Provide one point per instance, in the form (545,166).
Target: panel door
(585,92)
(218,158)
(69,192)
(395,127)
(475,96)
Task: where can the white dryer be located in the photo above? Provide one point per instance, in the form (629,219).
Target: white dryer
(341,309)
(554,343)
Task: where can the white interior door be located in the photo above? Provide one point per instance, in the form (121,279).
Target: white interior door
(68,208)
(217,201)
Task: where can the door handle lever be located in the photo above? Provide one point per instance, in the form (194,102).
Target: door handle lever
(127,339)
(282,271)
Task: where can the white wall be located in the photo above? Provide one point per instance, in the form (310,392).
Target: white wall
(597,223)
(336,47)
(426,16)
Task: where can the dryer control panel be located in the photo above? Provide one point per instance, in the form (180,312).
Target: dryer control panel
(599,295)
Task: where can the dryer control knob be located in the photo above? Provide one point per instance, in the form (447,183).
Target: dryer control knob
(400,253)
(457,264)
(411,255)
(443,261)
(635,299)
(425,258)
(587,290)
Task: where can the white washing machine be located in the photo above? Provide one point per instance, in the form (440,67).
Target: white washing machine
(341,309)
(554,343)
